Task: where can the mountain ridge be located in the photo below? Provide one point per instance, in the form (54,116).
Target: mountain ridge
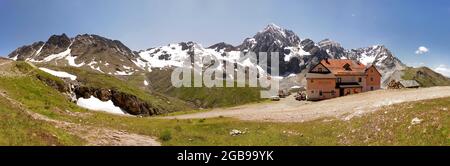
(112,57)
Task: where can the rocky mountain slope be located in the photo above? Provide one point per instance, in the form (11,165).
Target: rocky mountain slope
(91,52)
(296,55)
(99,54)
(425,77)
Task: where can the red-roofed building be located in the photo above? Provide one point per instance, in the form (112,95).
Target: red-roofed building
(339,77)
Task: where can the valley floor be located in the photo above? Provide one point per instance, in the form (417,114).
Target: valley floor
(290,110)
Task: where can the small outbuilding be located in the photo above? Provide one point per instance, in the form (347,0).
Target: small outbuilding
(409,84)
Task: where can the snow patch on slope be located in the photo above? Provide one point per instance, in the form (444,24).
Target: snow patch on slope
(15,57)
(39,51)
(295,52)
(96,104)
(51,57)
(92,65)
(365,59)
(60,74)
(71,60)
(154,57)
(123,73)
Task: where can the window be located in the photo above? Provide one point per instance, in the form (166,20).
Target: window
(359,79)
(338,80)
(312,81)
(320,93)
(371,88)
(371,78)
(347,67)
(312,92)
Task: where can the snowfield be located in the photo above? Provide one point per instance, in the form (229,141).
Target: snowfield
(71,60)
(96,104)
(15,57)
(57,56)
(295,52)
(123,73)
(365,59)
(173,55)
(62,55)
(59,74)
(152,56)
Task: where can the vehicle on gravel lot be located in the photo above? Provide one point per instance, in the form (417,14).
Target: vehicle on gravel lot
(300,96)
(275,98)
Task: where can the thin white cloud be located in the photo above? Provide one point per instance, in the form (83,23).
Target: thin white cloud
(443,69)
(422,50)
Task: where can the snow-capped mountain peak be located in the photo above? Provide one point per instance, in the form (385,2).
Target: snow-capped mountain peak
(85,51)
(112,57)
(223,47)
(329,43)
(273,35)
(273,28)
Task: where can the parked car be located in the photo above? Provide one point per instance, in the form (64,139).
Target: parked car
(275,98)
(300,96)
(283,94)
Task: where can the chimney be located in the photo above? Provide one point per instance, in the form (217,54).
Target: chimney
(326,60)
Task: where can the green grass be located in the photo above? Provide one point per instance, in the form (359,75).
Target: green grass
(208,109)
(23,67)
(184,112)
(202,96)
(37,96)
(425,76)
(379,128)
(392,125)
(217,97)
(18,128)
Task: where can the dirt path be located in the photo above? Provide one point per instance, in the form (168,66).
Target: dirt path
(289,110)
(4,65)
(93,135)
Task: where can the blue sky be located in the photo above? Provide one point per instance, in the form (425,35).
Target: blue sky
(401,25)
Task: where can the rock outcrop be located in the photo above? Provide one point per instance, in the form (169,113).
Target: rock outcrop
(55,84)
(129,103)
